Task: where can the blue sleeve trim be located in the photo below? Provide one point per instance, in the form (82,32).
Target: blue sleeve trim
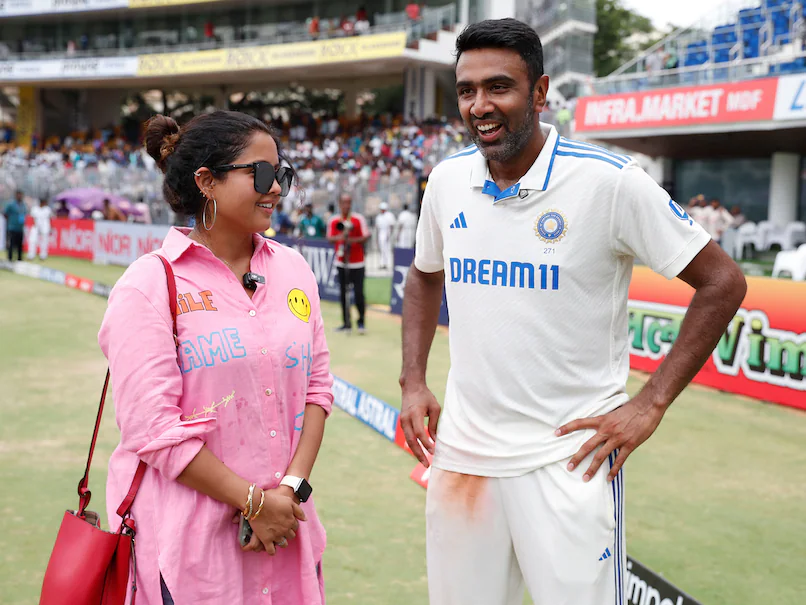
(594,157)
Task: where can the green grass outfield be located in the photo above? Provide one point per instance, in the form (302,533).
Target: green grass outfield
(715,500)
(376,289)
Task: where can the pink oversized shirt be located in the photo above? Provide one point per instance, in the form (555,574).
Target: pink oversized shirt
(245,371)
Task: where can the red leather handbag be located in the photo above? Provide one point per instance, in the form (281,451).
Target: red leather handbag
(90,566)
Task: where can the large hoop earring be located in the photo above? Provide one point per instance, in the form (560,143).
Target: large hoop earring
(204,214)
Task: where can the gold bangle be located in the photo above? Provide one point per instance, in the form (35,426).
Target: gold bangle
(259,508)
(247,511)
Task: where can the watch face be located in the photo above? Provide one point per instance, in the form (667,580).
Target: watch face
(304,491)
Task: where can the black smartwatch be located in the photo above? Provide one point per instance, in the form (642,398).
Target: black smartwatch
(302,489)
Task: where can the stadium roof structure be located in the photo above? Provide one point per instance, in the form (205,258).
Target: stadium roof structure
(253,53)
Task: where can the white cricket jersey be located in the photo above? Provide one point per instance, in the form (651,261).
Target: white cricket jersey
(384,223)
(537,278)
(407,226)
(41,216)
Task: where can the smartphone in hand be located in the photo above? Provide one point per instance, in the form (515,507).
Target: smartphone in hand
(244,532)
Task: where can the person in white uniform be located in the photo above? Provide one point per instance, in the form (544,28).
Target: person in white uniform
(39,236)
(534,237)
(406,228)
(384,226)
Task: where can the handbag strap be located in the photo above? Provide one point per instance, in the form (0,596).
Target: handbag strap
(84,493)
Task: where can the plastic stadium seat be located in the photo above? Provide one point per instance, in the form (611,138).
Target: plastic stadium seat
(790,237)
(761,238)
(745,234)
(792,262)
(751,47)
(793,66)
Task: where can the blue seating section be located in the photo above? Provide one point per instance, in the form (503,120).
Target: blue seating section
(723,40)
(790,68)
(771,21)
(696,53)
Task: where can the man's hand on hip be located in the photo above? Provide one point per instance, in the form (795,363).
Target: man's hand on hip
(623,429)
(419,403)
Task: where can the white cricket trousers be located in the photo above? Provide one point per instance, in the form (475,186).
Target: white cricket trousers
(563,538)
(38,239)
(385,248)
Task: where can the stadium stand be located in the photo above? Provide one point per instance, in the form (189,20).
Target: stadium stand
(759,40)
(202,32)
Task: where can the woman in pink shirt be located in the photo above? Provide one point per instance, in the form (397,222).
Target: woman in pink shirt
(237,406)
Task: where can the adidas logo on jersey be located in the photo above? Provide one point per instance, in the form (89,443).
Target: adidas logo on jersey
(459,222)
(605,555)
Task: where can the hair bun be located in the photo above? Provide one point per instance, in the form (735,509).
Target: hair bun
(161,136)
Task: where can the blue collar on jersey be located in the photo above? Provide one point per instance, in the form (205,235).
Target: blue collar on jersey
(535,179)
(490,188)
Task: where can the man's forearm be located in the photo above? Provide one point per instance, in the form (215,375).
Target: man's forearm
(710,311)
(421,303)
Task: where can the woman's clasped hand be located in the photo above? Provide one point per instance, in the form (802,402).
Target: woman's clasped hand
(276,524)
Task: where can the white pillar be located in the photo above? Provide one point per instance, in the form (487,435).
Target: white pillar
(499,9)
(221,98)
(351,102)
(784,183)
(429,95)
(82,116)
(411,92)
(464,12)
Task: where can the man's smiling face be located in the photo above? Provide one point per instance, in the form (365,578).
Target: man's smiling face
(497,101)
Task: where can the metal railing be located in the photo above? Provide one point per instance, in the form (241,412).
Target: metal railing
(547,15)
(693,75)
(570,53)
(433,19)
(718,57)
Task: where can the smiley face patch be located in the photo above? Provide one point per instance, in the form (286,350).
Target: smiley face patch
(299,304)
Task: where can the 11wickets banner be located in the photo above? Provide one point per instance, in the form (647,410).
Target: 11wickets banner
(761,355)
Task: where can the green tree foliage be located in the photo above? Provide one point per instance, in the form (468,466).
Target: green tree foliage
(616,24)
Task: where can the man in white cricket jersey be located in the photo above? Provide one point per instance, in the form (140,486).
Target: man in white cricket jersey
(385,226)
(39,235)
(534,238)
(406,227)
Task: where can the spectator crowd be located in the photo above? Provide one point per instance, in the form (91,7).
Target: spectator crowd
(381,161)
(713,216)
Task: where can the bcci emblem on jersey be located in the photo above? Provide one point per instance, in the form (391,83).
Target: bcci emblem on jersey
(551,226)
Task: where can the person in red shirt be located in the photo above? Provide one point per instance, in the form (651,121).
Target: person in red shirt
(313,27)
(348,232)
(347,26)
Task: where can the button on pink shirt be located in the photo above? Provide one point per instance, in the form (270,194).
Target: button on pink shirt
(246,370)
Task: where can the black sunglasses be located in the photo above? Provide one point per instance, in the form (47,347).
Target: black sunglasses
(265,175)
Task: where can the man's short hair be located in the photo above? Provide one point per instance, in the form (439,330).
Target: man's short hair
(509,34)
